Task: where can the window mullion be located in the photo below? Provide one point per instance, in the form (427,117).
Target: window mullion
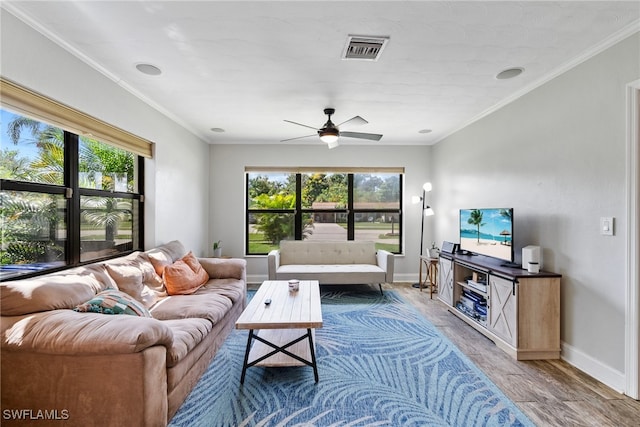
(298,213)
(351,215)
(140,190)
(71,168)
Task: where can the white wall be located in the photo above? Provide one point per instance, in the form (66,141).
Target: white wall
(227,190)
(177,197)
(557,156)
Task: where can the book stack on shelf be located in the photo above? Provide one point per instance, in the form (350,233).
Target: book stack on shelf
(478,284)
(471,303)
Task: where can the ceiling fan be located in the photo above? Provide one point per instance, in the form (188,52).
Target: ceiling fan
(330,133)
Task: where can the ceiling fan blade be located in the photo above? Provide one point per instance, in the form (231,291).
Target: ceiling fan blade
(300,124)
(371,136)
(298,137)
(357,120)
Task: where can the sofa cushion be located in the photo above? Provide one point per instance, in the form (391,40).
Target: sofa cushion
(112,301)
(184,276)
(212,307)
(165,255)
(327,252)
(233,289)
(135,275)
(141,261)
(128,279)
(187,334)
(53,291)
(333,274)
(68,332)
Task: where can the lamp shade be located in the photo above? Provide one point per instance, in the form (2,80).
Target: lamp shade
(428,211)
(427,186)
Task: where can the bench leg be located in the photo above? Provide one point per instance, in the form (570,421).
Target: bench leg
(380,285)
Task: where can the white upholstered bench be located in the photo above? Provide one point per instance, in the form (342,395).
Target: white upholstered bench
(331,262)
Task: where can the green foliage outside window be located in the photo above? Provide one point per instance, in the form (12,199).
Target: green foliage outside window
(34,224)
(324,201)
(275,227)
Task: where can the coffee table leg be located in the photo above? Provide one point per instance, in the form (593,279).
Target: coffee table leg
(246,356)
(313,355)
(312,362)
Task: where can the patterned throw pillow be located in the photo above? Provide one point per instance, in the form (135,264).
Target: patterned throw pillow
(113,301)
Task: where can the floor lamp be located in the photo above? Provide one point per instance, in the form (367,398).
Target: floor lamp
(426,211)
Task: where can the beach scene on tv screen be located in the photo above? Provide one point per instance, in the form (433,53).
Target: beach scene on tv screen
(487,232)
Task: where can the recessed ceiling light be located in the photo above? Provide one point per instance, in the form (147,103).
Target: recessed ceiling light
(509,73)
(217,130)
(425,131)
(148,69)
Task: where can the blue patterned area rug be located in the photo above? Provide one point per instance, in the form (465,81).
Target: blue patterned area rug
(380,363)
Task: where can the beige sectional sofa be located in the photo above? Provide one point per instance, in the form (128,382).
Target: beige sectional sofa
(331,262)
(89,368)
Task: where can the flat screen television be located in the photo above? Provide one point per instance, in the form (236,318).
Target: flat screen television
(487,232)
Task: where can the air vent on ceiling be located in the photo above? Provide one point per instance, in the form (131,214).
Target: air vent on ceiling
(368,48)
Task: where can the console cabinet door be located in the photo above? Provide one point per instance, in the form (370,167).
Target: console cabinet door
(503,309)
(445,281)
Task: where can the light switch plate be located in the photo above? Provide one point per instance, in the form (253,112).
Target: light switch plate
(606,225)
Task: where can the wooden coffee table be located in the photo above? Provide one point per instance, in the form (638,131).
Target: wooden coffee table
(276,330)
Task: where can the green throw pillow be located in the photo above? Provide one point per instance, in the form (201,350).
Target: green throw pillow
(113,301)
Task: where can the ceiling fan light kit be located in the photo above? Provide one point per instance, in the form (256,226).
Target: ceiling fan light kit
(329,136)
(329,133)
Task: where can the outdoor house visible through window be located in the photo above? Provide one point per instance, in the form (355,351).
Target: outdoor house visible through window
(323,204)
(71,185)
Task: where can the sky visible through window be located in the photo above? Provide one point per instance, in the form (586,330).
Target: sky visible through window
(26,145)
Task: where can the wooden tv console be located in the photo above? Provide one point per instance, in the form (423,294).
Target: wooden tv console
(522,309)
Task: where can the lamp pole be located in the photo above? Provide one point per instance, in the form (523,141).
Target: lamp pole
(423,212)
(424,199)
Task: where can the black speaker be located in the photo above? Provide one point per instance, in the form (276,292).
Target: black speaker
(449,247)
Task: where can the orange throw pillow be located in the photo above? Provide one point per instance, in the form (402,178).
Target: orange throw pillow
(184,276)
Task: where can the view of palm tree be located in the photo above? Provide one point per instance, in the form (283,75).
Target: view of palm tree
(34,224)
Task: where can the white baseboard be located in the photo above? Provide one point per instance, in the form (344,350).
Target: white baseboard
(256,278)
(603,373)
(405,278)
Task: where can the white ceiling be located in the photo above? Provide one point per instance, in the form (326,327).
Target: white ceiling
(246,66)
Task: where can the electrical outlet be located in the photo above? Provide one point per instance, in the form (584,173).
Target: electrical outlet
(606,225)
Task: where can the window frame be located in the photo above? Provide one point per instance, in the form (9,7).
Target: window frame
(72,192)
(298,211)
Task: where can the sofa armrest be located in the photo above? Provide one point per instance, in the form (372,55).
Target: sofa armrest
(273,262)
(72,333)
(385,261)
(225,268)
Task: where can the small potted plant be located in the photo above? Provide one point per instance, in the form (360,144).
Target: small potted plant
(217,249)
(434,252)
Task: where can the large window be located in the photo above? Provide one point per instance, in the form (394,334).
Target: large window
(65,199)
(325,205)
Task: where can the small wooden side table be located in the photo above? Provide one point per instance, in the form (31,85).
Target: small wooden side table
(431,265)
